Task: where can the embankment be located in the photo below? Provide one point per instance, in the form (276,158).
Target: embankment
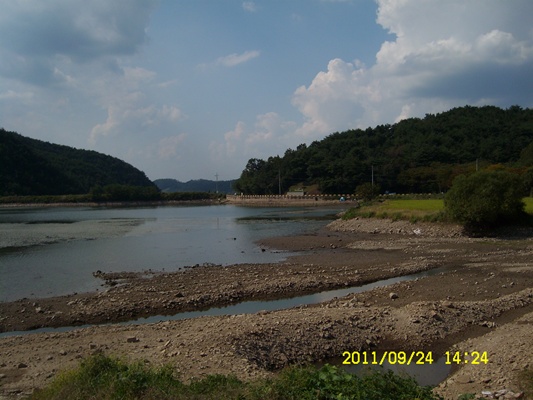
(285,200)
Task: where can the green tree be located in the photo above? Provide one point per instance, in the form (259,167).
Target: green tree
(527,181)
(485,199)
(526,156)
(367,191)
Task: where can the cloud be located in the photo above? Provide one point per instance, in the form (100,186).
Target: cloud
(168,146)
(233,60)
(37,38)
(446,53)
(269,134)
(128,111)
(167,84)
(249,6)
(12,95)
(127,118)
(236,59)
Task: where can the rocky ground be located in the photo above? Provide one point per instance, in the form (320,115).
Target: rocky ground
(480,299)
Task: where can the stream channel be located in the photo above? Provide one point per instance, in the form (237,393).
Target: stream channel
(427,374)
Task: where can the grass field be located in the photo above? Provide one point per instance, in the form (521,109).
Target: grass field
(431,210)
(395,209)
(424,205)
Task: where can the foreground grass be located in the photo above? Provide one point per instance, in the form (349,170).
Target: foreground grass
(103,377)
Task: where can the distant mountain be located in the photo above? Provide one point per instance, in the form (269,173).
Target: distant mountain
(33,167)
(198,185)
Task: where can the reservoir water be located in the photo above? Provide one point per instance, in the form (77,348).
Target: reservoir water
(54,251)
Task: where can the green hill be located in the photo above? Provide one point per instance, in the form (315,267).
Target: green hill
(33,167)
(412,156)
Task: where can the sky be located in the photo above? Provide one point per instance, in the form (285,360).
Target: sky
(190,89)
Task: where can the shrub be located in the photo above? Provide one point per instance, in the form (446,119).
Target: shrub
(367,191)
(485,199)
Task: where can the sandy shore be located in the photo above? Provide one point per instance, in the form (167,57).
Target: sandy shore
(481,300)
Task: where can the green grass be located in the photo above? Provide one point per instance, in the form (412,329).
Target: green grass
(429,205)
(103,377)
(414,210)
(529,205)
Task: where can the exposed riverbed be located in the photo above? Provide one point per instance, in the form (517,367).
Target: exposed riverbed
(483,293)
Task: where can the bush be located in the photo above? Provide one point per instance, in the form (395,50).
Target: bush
(367,191)
(485,199)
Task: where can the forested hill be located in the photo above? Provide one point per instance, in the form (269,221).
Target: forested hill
(33,167)
(412,156)
(195,185)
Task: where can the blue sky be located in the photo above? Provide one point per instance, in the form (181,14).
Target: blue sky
(188,89)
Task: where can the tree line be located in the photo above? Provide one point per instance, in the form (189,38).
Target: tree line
(416,155)
(34,167)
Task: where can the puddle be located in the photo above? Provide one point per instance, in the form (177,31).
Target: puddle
(429,373)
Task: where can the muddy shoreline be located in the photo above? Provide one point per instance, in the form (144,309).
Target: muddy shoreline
(485,291)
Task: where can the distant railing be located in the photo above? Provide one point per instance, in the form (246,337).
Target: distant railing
(288,197)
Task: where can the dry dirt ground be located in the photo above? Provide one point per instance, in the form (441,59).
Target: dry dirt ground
(479,300)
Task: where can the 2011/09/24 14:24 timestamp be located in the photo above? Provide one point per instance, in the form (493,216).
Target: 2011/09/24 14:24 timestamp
(465,357)
(414,357)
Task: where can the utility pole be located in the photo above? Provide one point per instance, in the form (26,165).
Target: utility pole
(216,182)
(279,181)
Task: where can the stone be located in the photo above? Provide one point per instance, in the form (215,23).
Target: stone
(436,316)
(132,339)
(22,365)
(447,304)
(393,295)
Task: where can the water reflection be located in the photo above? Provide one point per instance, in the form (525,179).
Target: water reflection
(42,255)
(429,373)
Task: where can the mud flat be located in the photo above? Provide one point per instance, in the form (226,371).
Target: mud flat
(482,300)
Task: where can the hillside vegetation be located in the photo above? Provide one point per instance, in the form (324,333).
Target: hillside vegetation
(412,156)
(33,167)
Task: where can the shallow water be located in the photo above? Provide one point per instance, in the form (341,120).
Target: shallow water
(47,252)
(54,251)
(427,374)
(250,307)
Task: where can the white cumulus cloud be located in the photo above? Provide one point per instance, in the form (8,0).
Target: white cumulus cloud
(445,54)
